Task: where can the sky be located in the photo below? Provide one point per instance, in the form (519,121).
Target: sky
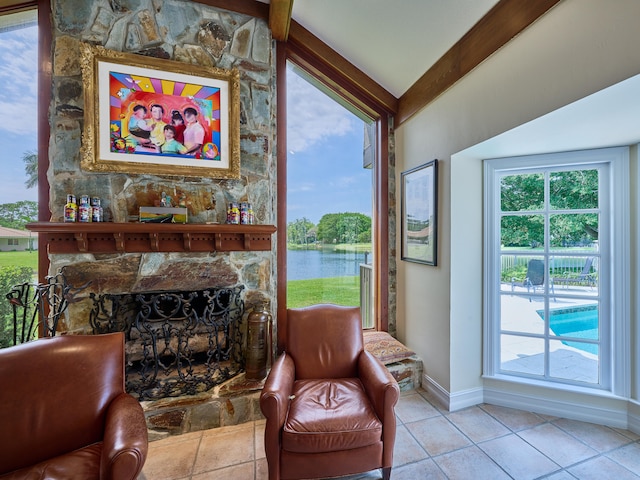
(325,140)
(324,164)
(18,110)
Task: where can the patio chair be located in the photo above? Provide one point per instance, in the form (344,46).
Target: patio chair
(534,278)
(585,277)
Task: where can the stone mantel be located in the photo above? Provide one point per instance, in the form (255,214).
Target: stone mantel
(114,237)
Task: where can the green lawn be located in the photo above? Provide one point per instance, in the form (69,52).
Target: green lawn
(338,290)
(18,259)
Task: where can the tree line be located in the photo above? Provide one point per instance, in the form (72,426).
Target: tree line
(348,227)
(18,214)
(522,199)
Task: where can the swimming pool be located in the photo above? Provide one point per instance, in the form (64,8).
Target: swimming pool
(576,322)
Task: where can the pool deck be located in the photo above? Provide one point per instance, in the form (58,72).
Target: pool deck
(526,355)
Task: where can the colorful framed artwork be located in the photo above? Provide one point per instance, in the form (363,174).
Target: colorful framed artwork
(155,116)
(420,214)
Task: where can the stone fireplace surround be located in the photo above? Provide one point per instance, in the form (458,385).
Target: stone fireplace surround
(118,260)
(232,401)
(191,33)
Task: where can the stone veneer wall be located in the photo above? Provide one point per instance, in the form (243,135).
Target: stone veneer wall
(185,32)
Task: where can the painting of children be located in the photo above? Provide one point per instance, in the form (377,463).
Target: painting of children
(147,115)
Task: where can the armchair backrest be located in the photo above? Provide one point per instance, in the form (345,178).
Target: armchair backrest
(54,395)
(324,341)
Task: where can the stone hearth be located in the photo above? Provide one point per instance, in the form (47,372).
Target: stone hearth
(235,401)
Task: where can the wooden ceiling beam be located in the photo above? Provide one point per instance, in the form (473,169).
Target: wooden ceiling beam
(499,26)
(280,18)
(330,63)
(16,6)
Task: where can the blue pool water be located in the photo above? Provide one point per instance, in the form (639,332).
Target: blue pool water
(576,322)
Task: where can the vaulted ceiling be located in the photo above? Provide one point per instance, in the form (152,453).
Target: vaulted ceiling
(414,49)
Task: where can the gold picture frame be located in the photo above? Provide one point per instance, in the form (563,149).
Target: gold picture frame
(133,105)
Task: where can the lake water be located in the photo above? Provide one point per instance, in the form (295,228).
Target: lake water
(322,263)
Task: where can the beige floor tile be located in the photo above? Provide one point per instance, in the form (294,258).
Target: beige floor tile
(512,418)
(598,437)
(563,475)
(237,452)
(245,471)
(471,463)
(262,469)
(411,408)
(225,447)
(599,468)
(559,446)
(477,424)
(518,458)
(259,438)
(628,457)
(433,400)
(437,435)
(171,458)
(627,433)
(424,470)
(407,449)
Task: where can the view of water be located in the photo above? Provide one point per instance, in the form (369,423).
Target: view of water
(322,263)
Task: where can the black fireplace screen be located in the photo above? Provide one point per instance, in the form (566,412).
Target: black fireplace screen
(178,343)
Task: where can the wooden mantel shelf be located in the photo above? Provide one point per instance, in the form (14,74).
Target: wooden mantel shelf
(110,237)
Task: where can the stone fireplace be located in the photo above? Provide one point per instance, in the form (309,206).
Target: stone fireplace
(172,260)
(183,311)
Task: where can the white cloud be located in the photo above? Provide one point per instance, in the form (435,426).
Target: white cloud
(312,116)
(348,181)
(301,187)
(19,81)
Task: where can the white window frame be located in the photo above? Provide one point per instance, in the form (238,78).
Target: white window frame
(615,296)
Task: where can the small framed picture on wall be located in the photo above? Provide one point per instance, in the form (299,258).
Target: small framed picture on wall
(420,214)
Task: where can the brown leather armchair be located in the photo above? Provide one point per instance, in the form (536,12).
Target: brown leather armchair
(64,413)
(329,404)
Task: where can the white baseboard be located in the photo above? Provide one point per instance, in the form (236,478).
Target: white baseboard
(634,416)
(458,401)
(436,390)
(615,412)
(612,412)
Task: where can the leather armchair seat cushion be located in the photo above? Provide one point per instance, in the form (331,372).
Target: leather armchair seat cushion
(83,463)
(329,415)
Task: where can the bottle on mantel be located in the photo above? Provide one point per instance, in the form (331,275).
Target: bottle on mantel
(70,209)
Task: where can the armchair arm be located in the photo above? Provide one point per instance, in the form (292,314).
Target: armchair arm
(383,391)
(125,440)
(274,403)
(381,387)
(274,400)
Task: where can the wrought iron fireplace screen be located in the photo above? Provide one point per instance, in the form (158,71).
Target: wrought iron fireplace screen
(178,343)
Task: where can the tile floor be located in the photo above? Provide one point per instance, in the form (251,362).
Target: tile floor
(481,442)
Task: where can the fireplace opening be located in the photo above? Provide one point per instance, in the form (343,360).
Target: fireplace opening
(177,343)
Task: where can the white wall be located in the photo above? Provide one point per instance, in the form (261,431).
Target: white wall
(578,48)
